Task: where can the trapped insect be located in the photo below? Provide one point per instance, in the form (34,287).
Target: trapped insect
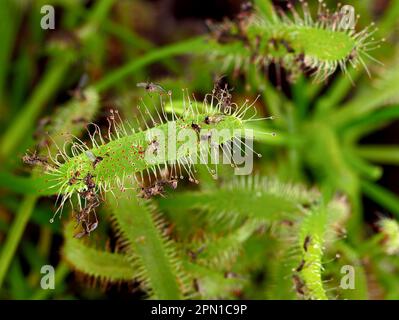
(78,91)
(74,178)
(95,159)
(34,159)
(307,242)
(300,266)
(151,87)
(157,189)
(213,119)
(298,284)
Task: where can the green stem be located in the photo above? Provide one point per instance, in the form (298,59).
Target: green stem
(15,234)
(390,19)
(18,184)
(354,131)
(137,42)
(337,92)
(27,117)
(24,121)
(380,154)
(9,22)
(100,11)
(48,86)
(364,168)
(187,46)
(382,196)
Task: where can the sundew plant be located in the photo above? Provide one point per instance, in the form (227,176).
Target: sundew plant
(189,150)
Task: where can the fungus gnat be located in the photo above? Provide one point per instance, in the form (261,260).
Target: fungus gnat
(299,285)
(88,180)
(301,265)
(79,120)
(149,192)
(194,254)
(83,218)
(97,161)
(196,128)
(172,183)
(213,119)
(34,160)
(151,87)
(153,147)
(306,243)
(74,179)
(91,202)
(223,95)
(94,159)
(78,91)
(157,189)
(196,285)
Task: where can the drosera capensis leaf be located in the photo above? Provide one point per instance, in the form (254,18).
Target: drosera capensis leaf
(100,264)
(262,198)
(123,157)
(321,226)
(297,42)
(311,240)
(142,232)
